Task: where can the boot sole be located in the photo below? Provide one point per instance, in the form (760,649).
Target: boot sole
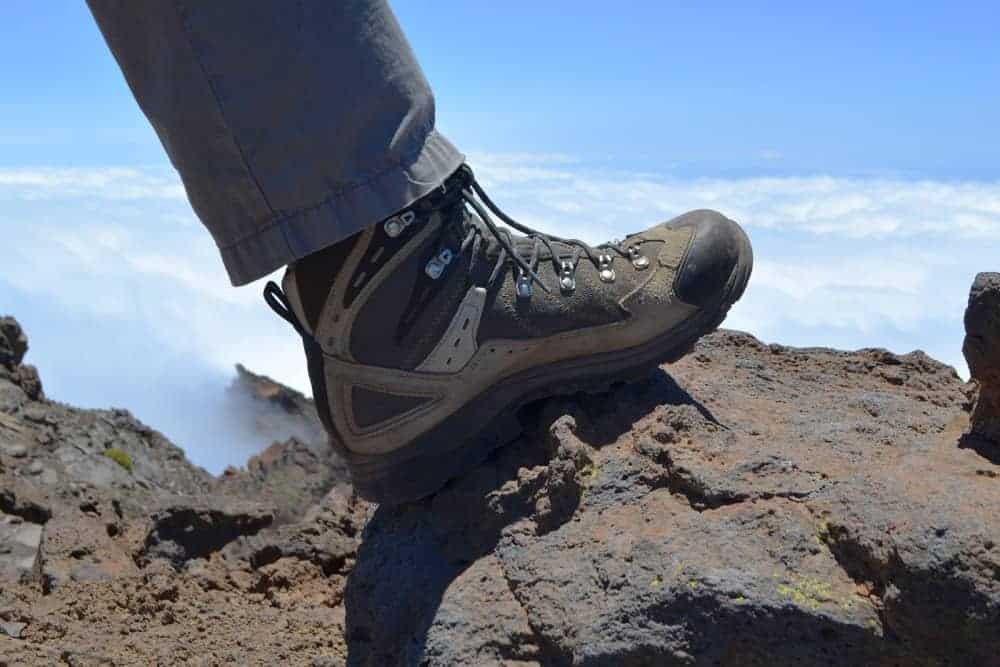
(447,451)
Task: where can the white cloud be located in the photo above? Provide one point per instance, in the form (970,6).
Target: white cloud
(821,205)
(103,183)
(850,262)
(880,261)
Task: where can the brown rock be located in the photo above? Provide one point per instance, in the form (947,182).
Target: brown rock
(79,549)
(749,505)
(756,506)
(279,411)
(147,559)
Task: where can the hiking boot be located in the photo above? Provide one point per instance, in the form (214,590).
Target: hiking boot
(425,333)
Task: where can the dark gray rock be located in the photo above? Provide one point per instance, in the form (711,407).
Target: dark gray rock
(23,501)
(13,342)
(20,541)
(327,536)
(982,352)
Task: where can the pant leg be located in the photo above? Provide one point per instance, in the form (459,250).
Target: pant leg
(292,124)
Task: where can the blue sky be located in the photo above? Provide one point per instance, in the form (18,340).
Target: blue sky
(856,142)
(712,88)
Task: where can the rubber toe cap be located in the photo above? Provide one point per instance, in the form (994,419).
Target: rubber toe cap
(716,248)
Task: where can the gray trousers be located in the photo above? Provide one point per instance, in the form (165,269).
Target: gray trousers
(293,125)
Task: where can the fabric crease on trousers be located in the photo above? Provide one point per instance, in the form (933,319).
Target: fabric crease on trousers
(292,125)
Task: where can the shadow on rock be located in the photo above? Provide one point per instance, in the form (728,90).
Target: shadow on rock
(613,414)
(988,450)
(411,555)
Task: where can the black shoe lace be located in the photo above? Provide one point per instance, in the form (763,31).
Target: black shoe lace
(564,253)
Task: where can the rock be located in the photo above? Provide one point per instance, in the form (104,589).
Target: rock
(279,412)
(184,531)
(16,451)
(12,629)
(13,342)
(30,382)
(293,476)
(19,548)
(752,507)
(327,536)
(982,352)
(749,505)
(80,549)
(24,502)
(144,558)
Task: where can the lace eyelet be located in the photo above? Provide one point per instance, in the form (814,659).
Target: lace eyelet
(436,266)
(604,270)
(567,281)
(524,288)
(397,224)
(639,261)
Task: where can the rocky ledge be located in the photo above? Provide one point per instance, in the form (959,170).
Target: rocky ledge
(116,550)
(751,504)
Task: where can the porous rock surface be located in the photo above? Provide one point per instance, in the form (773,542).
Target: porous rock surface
(751,504)
(982,353)
(141,558)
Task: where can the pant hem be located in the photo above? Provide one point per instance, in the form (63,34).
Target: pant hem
(295,235)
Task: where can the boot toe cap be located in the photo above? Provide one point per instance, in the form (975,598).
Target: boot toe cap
(717,247)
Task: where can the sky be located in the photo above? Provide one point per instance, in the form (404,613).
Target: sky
(857,144)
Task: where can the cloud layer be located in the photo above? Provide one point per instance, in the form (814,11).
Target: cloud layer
(839,261)
(127,304)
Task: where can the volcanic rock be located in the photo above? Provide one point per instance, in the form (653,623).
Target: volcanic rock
(280,411)
(751,504)
(19,544)
(982,352)
(188,530)
(758,505)
(115,549)
(292,476)
(13,342)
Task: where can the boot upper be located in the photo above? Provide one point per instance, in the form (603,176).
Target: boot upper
(438,303)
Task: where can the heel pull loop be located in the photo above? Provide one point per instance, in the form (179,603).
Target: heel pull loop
(278,302)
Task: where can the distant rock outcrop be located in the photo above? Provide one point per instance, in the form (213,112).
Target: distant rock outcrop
(982,353)
(115,549)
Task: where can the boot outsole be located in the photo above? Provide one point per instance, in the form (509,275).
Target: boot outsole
(427,464)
